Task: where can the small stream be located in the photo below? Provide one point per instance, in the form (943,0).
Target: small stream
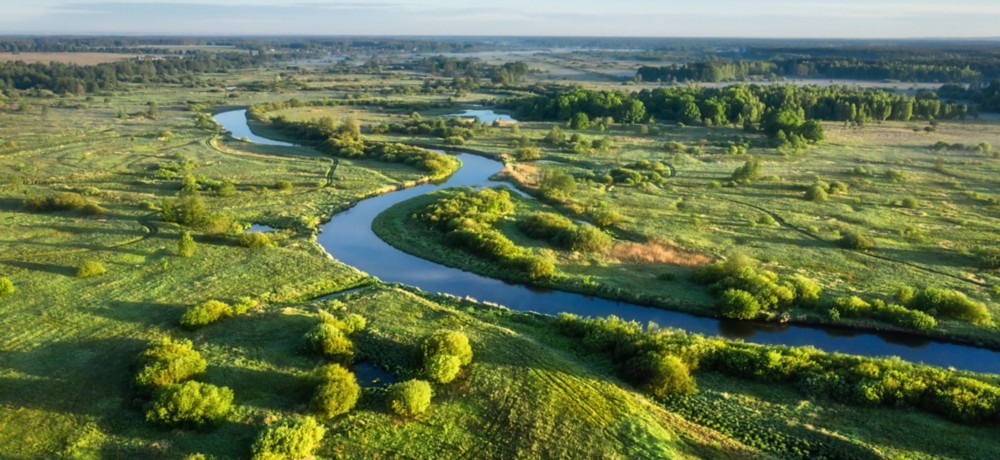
(348,237)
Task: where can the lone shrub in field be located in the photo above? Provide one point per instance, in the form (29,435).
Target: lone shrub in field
(6,287)
(856,241)
(284,185)
(186,245)
(739,304)
(289,439)
(90,268)
(61,201)
(448,343)
(910,203)
(205,313)
(662,375)
(443,368)
(190,404)
(411,398)
(328,340)
(338,391)
(254,240)
(167,362)
(816,193)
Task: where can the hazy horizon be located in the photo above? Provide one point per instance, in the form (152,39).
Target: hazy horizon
(845,19)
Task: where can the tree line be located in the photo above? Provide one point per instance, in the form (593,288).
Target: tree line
(945,71)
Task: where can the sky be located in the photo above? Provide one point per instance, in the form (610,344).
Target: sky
(656,18)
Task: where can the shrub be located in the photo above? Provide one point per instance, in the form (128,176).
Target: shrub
(535,267)
(168,362)
(950,303)
(605,218)
(6,287)
(190,404)
(254,240)
(411,398)
(289,439)
(665,375)
(243,305)
(90,268)
(748,173)
(739,304)
(60,201)
(186,245)
(816,193)
(328,340)
(354,322)
(807,291)
(910,203)
(856,241)
(453,343)
(338,391)
(443,368)
(588,238)
(528,154)
(205,313)
(454,140)
(988,257)
(967,400)
(93,209)
(283,185)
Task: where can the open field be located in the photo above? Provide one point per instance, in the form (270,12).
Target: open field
(65,58)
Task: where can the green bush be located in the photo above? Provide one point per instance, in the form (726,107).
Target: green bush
(535,267)
(290,439)
(354,322)
(739,304)
(590,239)
(807,291)
(185,245)
(60,201)
(90,268)
(816,193)
(6,287)
(93,209)
(662,375)
(910,203)
(254,240)
(330,341)
(168,362)
(338,391)
(856,241)
(452,343)
(284,185)
(190,404)
(411,398)
(206,313)
(443,368)
(952,304)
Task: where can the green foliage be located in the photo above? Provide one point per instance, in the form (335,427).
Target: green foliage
(284,185)
(952,304)
(853,239)
(748,173)
(90,268)
(338,391)
(186,245)
(528,154)
(563,233)
(254,240)
(330,341)
(205,313)
(411,398)
(853,307)
(910,203)
(816,193)
(454,343)
(290,439)
(664,376)
(739,304)
(193,404)
(579,121)
(60,201)
(556,185)
(168,362)
(443,368)
(6,287)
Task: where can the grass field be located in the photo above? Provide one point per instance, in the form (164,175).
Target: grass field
(68,345)
(66,58)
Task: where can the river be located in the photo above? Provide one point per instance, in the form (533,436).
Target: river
(349,238)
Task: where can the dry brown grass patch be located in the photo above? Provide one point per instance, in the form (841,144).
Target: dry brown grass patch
(66,58)
(657,252)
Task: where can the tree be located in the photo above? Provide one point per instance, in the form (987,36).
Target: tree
(556,184)
(90,268)
(190,404)
(6,286)
(411,398)
(290,439)
(338,391)
(739,304)
(443,368)
(579,121)
(186,245)
(748,173)
(666,375)
(453,343)
(555,136)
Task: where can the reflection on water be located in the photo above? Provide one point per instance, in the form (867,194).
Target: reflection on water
(348,237)
(487,116)
(370,375)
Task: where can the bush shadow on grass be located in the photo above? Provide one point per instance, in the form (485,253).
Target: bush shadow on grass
(150,314)
(41,267)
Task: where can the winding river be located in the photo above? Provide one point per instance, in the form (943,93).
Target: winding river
(348,237)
